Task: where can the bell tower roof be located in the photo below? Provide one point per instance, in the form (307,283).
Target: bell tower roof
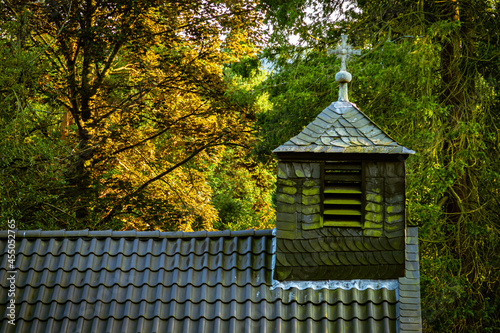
(342,128)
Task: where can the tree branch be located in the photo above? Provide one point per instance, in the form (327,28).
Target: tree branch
(119,205)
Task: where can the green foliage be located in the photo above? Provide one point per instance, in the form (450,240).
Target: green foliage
(243,186)
(242,192)
(297,91)
(31,179)
(119,110)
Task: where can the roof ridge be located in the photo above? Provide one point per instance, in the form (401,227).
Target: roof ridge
(63,233)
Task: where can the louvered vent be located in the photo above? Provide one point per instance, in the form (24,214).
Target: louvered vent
(342,195)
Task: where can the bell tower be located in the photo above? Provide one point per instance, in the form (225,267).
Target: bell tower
(341,196)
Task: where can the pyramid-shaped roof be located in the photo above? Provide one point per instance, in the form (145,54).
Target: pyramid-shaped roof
(342,128)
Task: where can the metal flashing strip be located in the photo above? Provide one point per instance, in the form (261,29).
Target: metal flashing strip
(358,284)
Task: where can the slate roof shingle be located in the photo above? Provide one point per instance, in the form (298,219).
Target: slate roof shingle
(342,128)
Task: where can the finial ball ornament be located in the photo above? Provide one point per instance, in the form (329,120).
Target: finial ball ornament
(343,77)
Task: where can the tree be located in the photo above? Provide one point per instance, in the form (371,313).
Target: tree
(143,83)
(31,172)
(243,187)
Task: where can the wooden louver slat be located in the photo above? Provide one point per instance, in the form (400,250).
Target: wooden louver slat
(342,195)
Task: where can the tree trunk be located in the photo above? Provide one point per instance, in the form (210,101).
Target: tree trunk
(458,84)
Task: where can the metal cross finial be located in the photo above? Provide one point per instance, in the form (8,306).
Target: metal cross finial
(343,51)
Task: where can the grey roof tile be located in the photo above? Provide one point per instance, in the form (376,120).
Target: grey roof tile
(314,128)
(321,123)
(299,142)
(345,123)
(328,112)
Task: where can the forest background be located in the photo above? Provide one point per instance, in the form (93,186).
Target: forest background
(152,115)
